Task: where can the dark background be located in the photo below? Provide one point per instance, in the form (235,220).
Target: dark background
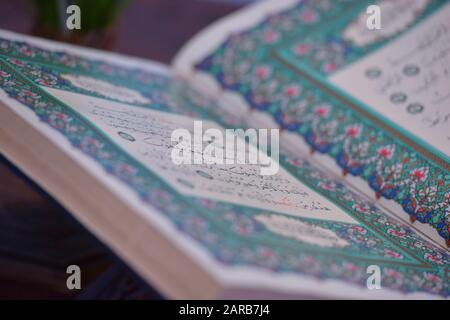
(38,238)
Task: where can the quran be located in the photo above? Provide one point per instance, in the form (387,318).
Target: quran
(362,187)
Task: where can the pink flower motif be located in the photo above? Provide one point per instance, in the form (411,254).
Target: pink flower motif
(353,130)
(327,185)
(270,36)
(308,16)
(329,67)
(292,90)
(90,141)
(242,229)
(3,74)
(125,168)
(392,273)
(359,229)
(392,254)
(30,94)
(262,72)
(66,60)
(433,258)
(385,152)
(295,162)
(420,173)
(42,82)
(351,267)
(322,111)
(431,277)
(15,62)
(396,233)
(301,49)
(61,116)
(27,52)
(360,208)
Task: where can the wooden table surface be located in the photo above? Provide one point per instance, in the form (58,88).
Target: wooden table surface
(38,238)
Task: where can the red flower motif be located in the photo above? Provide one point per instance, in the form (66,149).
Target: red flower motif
(359,229)
(322,111)
(125,168)
(295,162)
(419,174)
(351,267)
(266,252)
(360,208)
(392,273)
(393,254)
(396,233)
(15,62)
(329,67)
(62,116)
(301,49)
(27,52)
(292,91)
(30,94)
(433,258)
(270,36)
(308,16)
(353,131)
(42,82)
(327,185)
(88,141)
(262,72)
(385,152)
(431,277)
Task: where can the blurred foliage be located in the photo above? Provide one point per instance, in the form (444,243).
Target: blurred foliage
(95,14)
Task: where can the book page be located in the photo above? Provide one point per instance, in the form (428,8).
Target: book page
(408,81)
(146,135)
(352,98)
(298,231)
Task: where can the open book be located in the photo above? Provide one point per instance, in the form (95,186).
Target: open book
(362,187)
